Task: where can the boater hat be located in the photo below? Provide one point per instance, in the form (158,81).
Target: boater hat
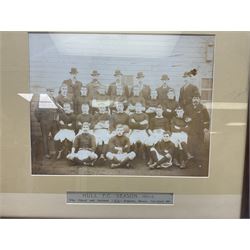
(73,71)
(118,73)
(164,77)
(140,75)
(95,73)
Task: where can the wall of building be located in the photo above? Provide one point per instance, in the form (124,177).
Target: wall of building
(52,56)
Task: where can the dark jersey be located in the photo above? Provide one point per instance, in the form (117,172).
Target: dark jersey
(60,99)
(165,147)
(68,120)
(119,141)
(85,141)
(159,123)
(136,119)
(178,125)
(98,117)
(169,108)
(81,118)
(118,118)
(78,103)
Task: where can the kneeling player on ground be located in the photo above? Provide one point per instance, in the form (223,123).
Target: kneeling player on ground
(162,152)
(119,149)
(85,144)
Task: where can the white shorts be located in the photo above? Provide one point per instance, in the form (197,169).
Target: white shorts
(82,155)
(151,110)
(102,136)
(80,132)
(63,134)
(138,135)
(113,133)
(155,137)
(121,157)
(179,137)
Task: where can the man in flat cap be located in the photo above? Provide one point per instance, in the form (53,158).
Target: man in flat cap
(112,90)
(144,89)
(94,84)
(163,89)
(73,84)
(188,89)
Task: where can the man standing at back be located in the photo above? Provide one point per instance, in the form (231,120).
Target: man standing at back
(163,89)
(144,88)
(73,84)
(188,89)
(94,85)
(112,90)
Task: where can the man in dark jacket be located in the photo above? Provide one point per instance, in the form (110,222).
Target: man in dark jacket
(188,89)
(46,114)
(198,119)
(73,84)
(163,89)
(112,90)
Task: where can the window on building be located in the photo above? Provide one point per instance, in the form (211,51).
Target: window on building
(206,89)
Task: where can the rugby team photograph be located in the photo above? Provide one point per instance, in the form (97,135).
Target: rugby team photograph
(130,126)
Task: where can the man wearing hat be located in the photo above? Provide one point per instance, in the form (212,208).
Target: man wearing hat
(188,89)
(144,89)
(73,84)
(163,89)
(198,119)
(94,84)
(135,98)
(112,90)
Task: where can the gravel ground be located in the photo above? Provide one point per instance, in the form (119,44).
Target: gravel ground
(140,168)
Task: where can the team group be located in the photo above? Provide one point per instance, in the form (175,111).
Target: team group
(117,124)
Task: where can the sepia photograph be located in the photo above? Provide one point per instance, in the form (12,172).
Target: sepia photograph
(121,104)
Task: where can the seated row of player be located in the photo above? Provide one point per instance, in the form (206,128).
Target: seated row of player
(142,133)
